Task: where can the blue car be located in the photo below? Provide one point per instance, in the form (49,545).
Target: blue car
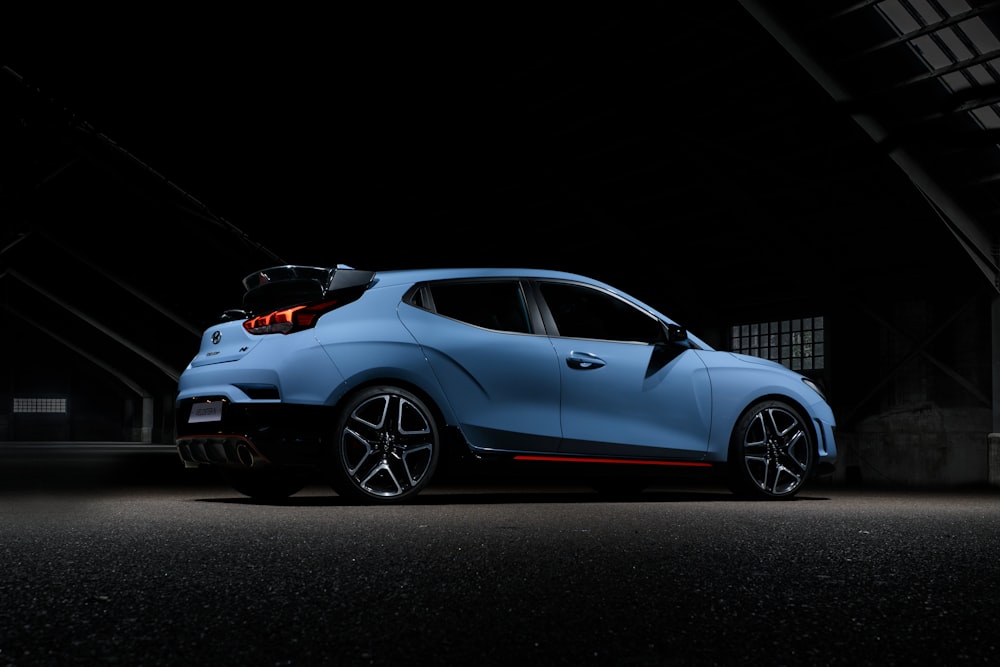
(379,380)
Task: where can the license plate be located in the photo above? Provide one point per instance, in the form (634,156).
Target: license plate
(205,412)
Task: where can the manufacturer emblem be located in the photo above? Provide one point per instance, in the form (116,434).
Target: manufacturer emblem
(216,337)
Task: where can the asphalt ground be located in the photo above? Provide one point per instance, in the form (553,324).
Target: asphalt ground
(126,558)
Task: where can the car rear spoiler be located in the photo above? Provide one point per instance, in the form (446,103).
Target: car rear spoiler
(281,287)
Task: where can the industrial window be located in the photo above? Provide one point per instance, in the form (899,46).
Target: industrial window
(797,344)
(50,405)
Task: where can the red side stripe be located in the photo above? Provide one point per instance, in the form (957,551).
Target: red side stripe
(581,459)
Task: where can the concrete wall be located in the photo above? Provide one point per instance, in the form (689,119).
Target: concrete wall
(923,446)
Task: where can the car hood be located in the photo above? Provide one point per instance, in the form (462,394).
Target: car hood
(750,359)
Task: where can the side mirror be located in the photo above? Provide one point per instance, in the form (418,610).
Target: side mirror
(676,333)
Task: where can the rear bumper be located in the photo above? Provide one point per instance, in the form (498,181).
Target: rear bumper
(253,434)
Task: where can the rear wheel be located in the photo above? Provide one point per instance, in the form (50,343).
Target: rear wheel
(771,452)
(386,446)
(265,484)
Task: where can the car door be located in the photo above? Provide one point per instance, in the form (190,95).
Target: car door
(501,378)
(626,390)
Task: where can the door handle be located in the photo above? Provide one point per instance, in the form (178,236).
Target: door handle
(584,361)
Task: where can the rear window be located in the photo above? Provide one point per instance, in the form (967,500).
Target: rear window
(497,305)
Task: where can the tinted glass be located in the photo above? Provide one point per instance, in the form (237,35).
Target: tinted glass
(493,305)
(584,312)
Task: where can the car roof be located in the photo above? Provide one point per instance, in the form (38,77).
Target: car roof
(400,277)
(403,276)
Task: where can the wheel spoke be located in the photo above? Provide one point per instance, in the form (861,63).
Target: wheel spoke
(382,480)
(357,452)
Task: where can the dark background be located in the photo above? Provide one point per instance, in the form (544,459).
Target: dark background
(595,138)
(311,132)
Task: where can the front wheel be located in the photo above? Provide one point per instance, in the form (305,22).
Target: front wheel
(771,452)
(385,446)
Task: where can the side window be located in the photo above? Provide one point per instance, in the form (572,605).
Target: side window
(491,304)
(585,312)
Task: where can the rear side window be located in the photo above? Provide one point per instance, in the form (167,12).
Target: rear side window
(585,312)
(497,305)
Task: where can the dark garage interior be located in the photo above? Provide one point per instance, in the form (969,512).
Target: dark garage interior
(815,182)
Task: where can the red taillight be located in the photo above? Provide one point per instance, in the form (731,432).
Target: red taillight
(289,320)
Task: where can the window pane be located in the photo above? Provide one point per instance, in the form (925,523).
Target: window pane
(796,343)
(584,312)
(36,405)
(495,305)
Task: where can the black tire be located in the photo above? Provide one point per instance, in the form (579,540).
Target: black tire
(386,445)
(265,484)
(771,452)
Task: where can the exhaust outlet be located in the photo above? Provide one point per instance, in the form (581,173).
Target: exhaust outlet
(245,455)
